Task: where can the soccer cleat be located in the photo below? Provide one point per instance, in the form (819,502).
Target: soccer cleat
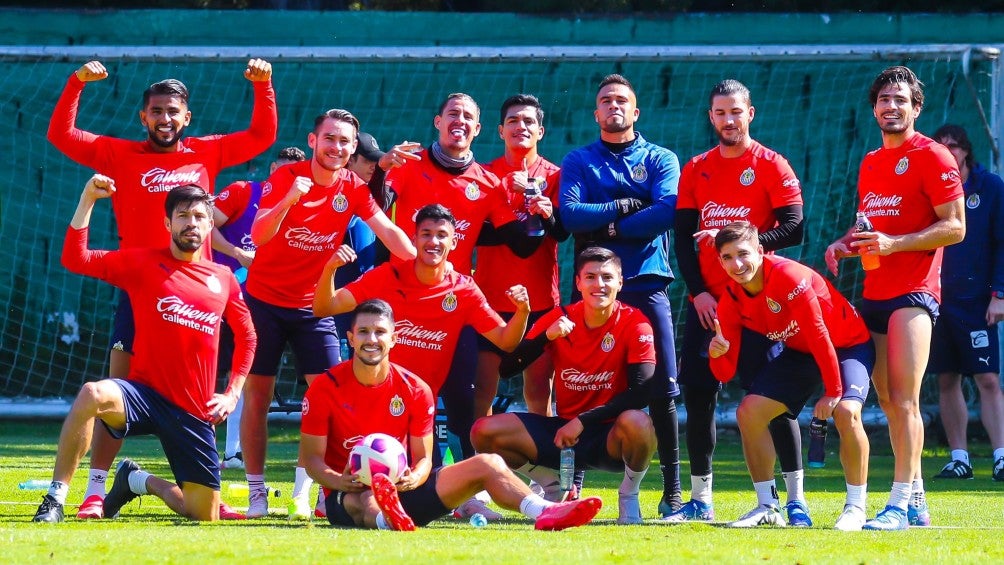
(120,494)
(568,514)
(692,511)
(299,508)
(918,514)
(235,461)
(49,511)
(668,507)
(474,506)
(228,513)
(890,518)
(851,519)
(762,515)
(257,503)
(999,469)
(955,470)
(798,514)
(628,509)
(387,499)
(93,508)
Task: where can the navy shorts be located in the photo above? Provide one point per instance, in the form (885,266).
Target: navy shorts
(189,442)
(485,345)
(123,325)
(655,305)
(314,340)
(962,342)
(695,371)
(876,313)
(422,504)
(856,364)
(590,451)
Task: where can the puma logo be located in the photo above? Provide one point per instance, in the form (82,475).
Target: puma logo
(859,388)
(984,360)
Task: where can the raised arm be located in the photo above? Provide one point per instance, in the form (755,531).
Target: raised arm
(243,146)
(329,301)
(77,144)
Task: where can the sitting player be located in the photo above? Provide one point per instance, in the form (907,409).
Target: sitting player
(398,403)
(604,359)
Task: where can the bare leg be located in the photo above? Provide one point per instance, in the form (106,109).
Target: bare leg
(195,502)
(992,407)
(99,400)
(486,383)
(854,446)
(952,404)
(754,414)
(505,435)
(254,422)
(537,385)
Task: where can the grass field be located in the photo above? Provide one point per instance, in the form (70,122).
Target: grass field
(968,518)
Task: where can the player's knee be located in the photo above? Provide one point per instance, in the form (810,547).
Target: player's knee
(988,385)
(847,416)
(92,395)
(482,436)
(634,423)
(491,464)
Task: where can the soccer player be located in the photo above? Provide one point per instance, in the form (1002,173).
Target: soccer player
(965,339)
(305,208)
(783,328)
(521,127)
(180,298)
(233,213)
(145,172)
(604,358)
(910,190)
(620,193)
(739,179)
(398,403)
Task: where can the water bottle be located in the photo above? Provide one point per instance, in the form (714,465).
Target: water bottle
(241,274)
(566,469)
(817,443)
(869,261)
(241,489)
(479,521)
(343,349)
(534,224)
(35,484)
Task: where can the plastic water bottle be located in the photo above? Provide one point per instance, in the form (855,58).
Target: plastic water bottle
(343,349)
(35,484)
(817,443)
(869,261)
(479,521)
(566,469)
(241,489)
(241,274)
(534,225)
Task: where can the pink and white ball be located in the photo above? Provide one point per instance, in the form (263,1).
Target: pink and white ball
(378,453)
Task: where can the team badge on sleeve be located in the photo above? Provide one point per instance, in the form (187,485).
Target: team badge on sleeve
(450,302)
(396,406)
(639,173)
(902,166)
(747,177)
(772,305)
(608,343)
(304,406)
(340,203)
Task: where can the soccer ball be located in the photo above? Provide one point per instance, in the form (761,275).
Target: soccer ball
(378,453)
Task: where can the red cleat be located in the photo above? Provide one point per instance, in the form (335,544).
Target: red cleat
(93,508)
(227,513)
(569,514)
(386,497)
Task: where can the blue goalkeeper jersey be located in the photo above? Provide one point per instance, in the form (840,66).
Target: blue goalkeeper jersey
(592,177)
(974,267)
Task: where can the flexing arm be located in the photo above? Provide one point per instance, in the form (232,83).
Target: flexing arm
(507,337)
(77,144)
(268,220)
(327,300)
(391,236)
(242,146)
(76,257)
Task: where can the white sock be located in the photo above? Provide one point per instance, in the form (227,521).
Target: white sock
(255,482)
(96,483)
(302,483)
(381,522)
(137,481)
(700,488)
(233,445)
(793,485)
(917,495)
(59,491)
(961,455)
(532,506)
(766,493)
(900,495)
(631,484)
(998,453)
(857,495)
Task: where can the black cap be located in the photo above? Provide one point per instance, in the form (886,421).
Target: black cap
(368,147)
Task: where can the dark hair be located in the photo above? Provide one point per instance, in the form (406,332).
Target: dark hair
(373,306)
(338,115)
(737,231)
(615,79)
(896,75)
(958,133)
(168,87)
(458,96)
(434,212)
(521,100)
(186,195)
(730,87)
(291,154)
(596,255)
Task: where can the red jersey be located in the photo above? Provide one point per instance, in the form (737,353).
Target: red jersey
(234,199)
(338,406)
(177,306)
(749,187)
(143,177)
(285,270)
(590,364)
(473,196)
(499,268)
(898,190)
(429,318)
(797,306)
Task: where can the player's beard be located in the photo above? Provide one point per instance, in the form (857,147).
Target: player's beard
(187,245)
(731,142)
(170,142)
(365,359)
(610,126)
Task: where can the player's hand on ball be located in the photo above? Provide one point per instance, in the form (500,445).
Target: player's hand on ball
(92,71)
(719,345)
(560,328)
(99,186)
(258,70)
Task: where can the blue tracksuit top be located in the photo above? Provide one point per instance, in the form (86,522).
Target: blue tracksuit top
(974,267)
(592,177)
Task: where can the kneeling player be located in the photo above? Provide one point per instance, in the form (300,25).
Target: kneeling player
(370,394)
(604,359)
(784,327)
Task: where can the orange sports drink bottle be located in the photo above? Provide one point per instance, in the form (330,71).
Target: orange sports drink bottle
(869,261)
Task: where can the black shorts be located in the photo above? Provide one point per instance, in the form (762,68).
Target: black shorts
(314,340)
(422,504)
(485,345)
(876,313)
(590,451)
(962,342)
(123,325)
